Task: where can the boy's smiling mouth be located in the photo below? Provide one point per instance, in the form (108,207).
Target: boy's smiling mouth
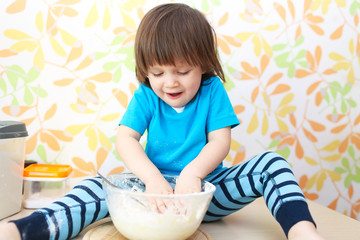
(174,95)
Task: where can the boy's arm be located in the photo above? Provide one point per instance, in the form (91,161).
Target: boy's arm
(213,153)
(133,155)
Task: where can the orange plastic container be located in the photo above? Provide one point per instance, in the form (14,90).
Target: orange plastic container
(44,184)
(47,170)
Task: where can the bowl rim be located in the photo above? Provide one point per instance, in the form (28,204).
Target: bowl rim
(158,195)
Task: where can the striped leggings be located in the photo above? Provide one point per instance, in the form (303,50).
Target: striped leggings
(267,175)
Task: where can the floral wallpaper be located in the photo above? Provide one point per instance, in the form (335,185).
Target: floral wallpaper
(292,68)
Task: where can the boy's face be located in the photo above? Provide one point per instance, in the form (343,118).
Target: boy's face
(176,85)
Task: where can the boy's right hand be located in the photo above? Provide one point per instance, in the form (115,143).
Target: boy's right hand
(159,186)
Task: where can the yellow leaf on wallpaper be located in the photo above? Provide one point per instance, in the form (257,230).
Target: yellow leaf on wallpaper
(336,56)
(67,38)
(272,27)
(92,138)
(266,99)
(320,181)
(57,47)
(267,48)
(282,125)
(102,77)
(106,18)
(104,140)
(257,45)
(351,77)
(315,5)
(39,21)
(286,100)
(110,117)
(311,161)
(81,108)
(284,111)
(254,124)
(341,3)
(243,36)
(128,21)
(50,112)
(39,58)
(92,17)
(342,65)
(16,34)
(351,46)
(234,146)
(265,125)
(334,176)
(311,181)
(332,158)
(21,46)
(130,5)
(76,129)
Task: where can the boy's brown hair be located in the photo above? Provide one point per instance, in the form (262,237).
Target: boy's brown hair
(171,32)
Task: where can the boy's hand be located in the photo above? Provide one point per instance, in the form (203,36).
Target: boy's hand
(187,184)
(159,186)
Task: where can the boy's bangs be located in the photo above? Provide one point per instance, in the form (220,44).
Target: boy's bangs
(169,53)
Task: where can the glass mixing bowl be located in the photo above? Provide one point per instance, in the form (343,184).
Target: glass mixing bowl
(141,216)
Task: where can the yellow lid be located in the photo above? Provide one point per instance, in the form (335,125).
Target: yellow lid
(47,170)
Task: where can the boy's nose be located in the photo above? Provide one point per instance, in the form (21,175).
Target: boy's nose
(171,81)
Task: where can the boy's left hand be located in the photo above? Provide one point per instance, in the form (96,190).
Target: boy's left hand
(187,184)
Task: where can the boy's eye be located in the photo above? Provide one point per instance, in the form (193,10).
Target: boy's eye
(183,73)
(157,74)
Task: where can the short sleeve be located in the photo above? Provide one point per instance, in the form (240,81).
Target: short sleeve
(139,111)
(221,113)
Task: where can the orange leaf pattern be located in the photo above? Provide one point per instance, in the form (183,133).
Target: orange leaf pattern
(292,93)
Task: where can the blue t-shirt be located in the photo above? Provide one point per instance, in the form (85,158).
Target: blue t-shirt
(175,139)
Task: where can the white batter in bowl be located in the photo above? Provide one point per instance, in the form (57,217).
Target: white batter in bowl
(136,216)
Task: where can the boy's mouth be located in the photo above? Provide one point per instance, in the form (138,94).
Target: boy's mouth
(174,95)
